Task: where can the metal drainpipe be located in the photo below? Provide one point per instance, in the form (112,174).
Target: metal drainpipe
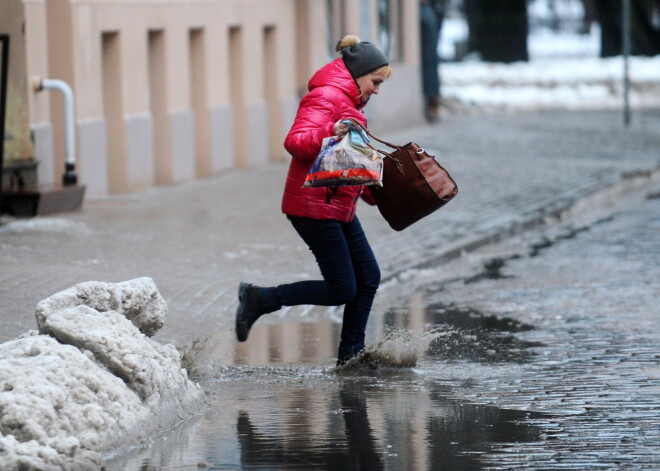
(69,177)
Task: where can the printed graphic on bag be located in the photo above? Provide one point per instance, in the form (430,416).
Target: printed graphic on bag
(346,161)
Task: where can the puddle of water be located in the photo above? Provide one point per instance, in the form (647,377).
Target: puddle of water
(468,334)
(388,420)
(278,402)
(492,270)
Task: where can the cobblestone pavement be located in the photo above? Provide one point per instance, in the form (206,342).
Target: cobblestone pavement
(563,322)
(199,239)
(545,355)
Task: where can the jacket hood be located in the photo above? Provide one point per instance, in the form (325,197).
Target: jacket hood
(335,74)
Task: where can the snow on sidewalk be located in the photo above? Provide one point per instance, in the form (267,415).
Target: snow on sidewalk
(551,83)
(90,379)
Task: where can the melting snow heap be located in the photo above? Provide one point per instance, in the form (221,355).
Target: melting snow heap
(91,379)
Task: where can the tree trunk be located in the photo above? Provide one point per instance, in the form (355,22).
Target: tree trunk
(645,39)
(498,29)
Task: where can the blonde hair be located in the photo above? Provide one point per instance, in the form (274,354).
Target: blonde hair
(385,71)
(351,40)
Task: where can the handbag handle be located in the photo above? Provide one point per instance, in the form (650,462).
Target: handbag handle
(366,131)
(398,163)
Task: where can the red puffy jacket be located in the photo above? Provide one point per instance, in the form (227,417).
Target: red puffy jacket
(333,95)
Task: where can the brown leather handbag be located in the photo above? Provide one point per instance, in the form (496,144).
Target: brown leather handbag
(414,185)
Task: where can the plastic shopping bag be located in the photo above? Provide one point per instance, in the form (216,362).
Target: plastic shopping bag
(346,161)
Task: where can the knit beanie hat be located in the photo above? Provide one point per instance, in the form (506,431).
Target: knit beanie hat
(362,58)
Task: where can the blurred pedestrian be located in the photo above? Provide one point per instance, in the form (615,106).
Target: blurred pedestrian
(588,17)
(432,13)
(644,32)
(325,217)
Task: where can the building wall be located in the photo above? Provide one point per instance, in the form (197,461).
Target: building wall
(39,104)
(16,140)
(169,91)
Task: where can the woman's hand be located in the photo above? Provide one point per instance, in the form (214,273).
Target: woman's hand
(340,129)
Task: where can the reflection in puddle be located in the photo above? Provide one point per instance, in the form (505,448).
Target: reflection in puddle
(389,420)
(401,432)
(353,446)
(277,402)
(306,343)
(460,432)
(462,332)
(471,335)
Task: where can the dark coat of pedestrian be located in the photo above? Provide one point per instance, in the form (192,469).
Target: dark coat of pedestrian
(431,13)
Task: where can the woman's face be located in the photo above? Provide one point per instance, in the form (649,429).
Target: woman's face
(369,85)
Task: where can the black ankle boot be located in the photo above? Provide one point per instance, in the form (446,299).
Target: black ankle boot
(250,308)
(348,352)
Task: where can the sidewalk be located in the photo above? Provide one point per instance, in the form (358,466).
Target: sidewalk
(197,240)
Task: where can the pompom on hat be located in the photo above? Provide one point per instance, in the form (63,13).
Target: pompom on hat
(360,57)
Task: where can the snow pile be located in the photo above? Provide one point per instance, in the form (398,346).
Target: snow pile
(138,300)
(578,83)
(91,379)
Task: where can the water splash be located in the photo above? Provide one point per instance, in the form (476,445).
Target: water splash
(399,349)
(194,358)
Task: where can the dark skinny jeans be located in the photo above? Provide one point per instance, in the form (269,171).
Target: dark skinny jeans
(350,276)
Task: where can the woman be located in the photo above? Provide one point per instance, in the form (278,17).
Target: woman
(325,217)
